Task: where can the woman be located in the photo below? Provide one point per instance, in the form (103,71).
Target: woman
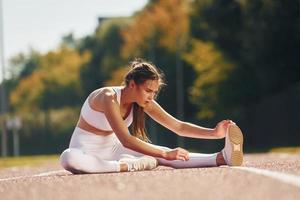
(101,141)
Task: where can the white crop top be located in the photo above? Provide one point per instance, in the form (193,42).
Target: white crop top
(97,119)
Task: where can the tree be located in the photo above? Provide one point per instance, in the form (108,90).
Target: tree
(105,46)
(156,22)
(212,70)
(57,75)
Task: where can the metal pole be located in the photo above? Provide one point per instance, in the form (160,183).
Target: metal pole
(16,142)
(179,93)
(179,83)
(2,89)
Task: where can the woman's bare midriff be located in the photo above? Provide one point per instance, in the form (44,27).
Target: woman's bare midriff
(87,127)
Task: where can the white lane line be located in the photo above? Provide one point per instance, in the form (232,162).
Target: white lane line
(31,176)
(286,178)
(49,173)
(13,178)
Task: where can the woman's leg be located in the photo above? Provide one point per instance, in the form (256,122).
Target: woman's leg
(196,159)
(77,161)
(231,155)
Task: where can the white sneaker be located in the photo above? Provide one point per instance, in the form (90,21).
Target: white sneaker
(141,163)
(233,150)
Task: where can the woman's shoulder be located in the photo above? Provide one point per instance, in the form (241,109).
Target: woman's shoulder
(103,93)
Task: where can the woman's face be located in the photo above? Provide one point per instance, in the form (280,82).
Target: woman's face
(146,92)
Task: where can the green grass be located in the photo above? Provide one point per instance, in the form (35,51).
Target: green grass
(285,150)
(26,160)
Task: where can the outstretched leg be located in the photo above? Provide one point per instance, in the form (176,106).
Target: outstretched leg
(231,155)
(196,159)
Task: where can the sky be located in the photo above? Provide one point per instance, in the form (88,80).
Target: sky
(40,24)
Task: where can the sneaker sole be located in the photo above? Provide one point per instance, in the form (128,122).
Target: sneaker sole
(236,142)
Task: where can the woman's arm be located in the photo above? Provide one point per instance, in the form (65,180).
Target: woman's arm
(112,113)
(156,112)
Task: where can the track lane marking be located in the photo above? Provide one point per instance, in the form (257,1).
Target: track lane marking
(283,177)
(31,176)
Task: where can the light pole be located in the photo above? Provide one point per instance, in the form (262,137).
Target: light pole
(2,89)
(179,92)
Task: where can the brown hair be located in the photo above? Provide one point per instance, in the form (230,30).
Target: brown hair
(141,71)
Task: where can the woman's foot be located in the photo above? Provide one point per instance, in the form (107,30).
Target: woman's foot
(140,164)
(233,150)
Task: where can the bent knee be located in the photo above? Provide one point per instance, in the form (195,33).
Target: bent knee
(69,159)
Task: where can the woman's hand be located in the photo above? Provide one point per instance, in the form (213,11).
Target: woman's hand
(221,128)
(177,154)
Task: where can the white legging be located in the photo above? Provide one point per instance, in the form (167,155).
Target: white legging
(91,153)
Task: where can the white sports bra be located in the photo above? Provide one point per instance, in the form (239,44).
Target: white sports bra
(97,119)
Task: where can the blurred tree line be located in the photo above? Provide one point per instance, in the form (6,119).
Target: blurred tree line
(235,58)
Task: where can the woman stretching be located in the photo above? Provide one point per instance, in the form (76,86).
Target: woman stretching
(101,141)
